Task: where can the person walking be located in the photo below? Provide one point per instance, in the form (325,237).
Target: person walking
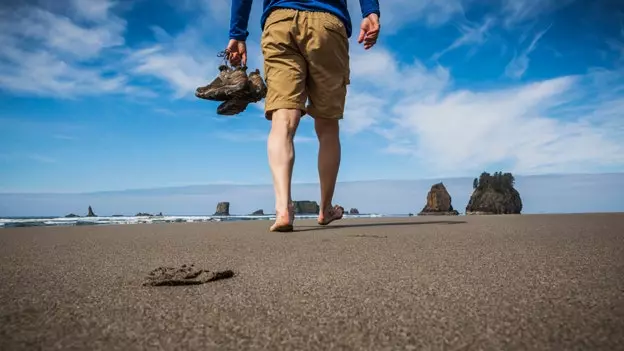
(305,45)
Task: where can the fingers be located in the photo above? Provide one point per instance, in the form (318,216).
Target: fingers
(369,31)
(361,36)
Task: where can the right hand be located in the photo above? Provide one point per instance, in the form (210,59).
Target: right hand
(236,52)
(369,31)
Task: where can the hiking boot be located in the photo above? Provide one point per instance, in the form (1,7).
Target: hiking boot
(201,92)
(233,106)
(230,83)
(257,88)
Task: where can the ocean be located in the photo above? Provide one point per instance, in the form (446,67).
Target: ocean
(43,221)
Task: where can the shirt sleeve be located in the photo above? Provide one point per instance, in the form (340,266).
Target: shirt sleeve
(369,6)
(239,19)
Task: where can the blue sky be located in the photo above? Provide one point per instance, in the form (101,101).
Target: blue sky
(98,95)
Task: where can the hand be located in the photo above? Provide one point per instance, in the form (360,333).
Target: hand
(236,52)
(369,31)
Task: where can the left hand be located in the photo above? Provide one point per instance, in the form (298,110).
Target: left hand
(369,31)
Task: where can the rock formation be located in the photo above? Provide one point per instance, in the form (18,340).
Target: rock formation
(223,209)
(72,215)
(259,212)
(91,214)
(306,207)
(354,211)
(438,202)
(494,194)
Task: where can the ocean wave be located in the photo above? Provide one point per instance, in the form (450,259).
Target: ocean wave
(78,221)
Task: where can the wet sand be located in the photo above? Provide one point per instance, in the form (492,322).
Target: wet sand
(530,282)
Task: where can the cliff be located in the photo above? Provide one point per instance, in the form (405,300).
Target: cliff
(494,194)
(438,202)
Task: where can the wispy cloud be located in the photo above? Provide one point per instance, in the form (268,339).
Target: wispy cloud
(471,34)
(53,54)
(520,62)
(517,12)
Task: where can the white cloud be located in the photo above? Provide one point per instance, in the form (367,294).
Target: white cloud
(517,12)
(47,53)
(562,124)
(520,63)
(471,35)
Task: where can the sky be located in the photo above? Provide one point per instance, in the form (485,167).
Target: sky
(97,95)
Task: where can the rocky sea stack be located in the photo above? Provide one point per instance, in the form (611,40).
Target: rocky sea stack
(494,194)
(354,211)
(223,209)
(91,214)
(259,212)
(438,202)
(306,207)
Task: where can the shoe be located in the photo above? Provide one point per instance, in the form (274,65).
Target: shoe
(205,91)
(257,88)
(229,84)
(233,106)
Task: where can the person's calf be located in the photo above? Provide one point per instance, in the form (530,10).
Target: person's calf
(328,133)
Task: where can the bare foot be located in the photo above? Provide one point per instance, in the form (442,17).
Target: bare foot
(330,215)
(284,220)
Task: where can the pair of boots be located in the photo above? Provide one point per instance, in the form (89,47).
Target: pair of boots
(234,88)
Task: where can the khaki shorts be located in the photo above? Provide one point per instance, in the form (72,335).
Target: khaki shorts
(306,56)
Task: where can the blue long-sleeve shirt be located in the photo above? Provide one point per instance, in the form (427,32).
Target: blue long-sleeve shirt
(241,8)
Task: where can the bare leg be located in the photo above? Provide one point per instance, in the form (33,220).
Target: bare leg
(328,133)
(281,152)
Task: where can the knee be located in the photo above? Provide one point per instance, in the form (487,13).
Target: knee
(285,121)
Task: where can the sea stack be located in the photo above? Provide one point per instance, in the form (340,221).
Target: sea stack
(494,194)
(306,207)
(223,209)
(438,202)
(354,211)
(90,213)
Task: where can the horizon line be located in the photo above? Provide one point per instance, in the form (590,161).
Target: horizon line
(439,179)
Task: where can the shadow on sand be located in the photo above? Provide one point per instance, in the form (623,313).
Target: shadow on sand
(335,225)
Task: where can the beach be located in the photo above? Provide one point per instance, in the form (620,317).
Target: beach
(538,282)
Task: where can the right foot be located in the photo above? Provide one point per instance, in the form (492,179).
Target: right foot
(331,214)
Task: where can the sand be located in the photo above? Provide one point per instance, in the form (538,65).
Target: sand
(538,282)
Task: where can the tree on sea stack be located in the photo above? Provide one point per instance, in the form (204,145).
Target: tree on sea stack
(438,202)
(495,194)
